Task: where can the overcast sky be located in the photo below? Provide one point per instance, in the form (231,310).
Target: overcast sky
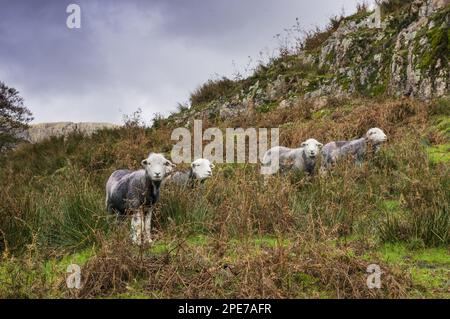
(142,53)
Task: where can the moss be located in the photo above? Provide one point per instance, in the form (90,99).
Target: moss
(429,268)
(345,82)
(379,89)
(433,256)
(432,283)
(55,267)
(438,38)
(321,114)
(159,248)
(432,272)
(439,154)
(399,253)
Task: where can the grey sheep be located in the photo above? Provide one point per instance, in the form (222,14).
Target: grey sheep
(200,170)
(136,192)
(335,151)
(284,158)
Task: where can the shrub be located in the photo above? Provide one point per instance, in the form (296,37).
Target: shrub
(390,6)
(212,90)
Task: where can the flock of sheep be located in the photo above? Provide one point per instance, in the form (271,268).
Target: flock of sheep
(136,192)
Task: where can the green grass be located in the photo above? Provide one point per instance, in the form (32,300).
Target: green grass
(444,124)
(57,266)
(433,256)
(439,154)
(321,114)
(400,253)
(429,268)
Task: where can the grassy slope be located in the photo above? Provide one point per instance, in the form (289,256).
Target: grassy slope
(393,212)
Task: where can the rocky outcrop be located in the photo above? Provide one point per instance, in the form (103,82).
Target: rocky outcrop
(419,67)
(405,52)
(406,56)
(39,132)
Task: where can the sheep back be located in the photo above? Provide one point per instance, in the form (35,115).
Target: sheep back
(129,190)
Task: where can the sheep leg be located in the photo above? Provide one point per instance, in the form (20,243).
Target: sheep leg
(148,226)
(136,228)
(359,161)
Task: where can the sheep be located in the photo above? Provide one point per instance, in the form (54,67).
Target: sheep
(334,151)
(200,170)
(303,158)
(136,192)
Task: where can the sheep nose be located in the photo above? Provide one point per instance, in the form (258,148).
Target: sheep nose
(157,174)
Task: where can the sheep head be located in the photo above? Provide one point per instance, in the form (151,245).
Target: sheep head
(202,169)
(312,148)
(376,136)
(157,166)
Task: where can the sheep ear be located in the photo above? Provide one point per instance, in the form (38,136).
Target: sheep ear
(320,145)
(212,165)
(144,163)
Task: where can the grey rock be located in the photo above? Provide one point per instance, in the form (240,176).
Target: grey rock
(40,132)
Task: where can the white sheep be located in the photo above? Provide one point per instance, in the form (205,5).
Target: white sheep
(303,158)
(334,151)
(200,170)
(136,192)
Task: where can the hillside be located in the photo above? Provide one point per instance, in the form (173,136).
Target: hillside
(237,235)
(408,56)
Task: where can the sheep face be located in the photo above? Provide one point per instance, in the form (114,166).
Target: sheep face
(157,166)
(376,136)
(202,169)
(312,148)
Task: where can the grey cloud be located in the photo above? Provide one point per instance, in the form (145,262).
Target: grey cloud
(130,54)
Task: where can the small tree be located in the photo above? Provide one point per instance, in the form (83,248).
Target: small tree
(14,117)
